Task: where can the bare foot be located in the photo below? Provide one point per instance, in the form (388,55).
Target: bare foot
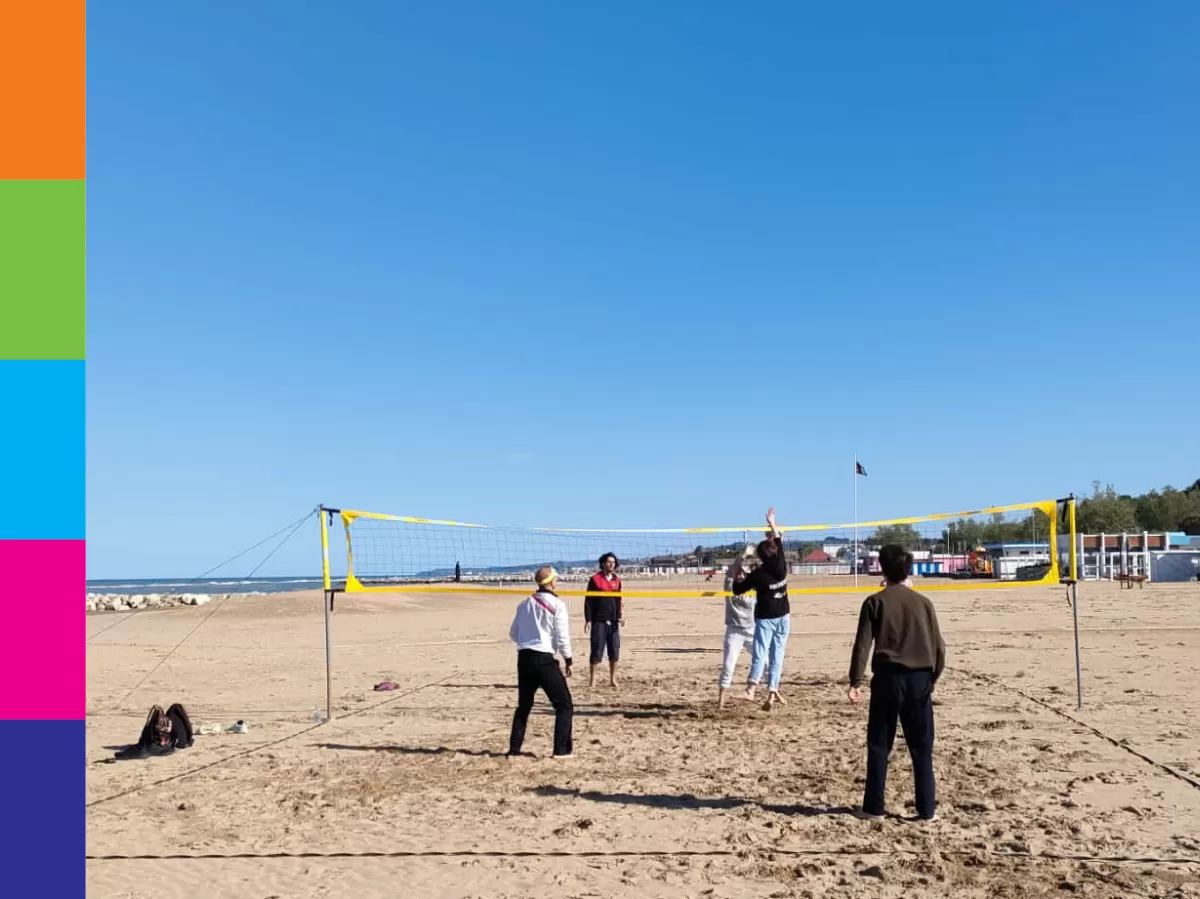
(777,697)
(722,696)
(614,684)
(750,691)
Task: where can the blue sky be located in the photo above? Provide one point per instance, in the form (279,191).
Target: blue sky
(627,264)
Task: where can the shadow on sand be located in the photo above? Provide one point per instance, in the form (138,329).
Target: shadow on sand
(685,801)
(679,650)
(415,750)
(629,710)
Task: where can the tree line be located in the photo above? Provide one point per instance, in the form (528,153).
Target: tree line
(1158,511)
(963,535)
(1105,511)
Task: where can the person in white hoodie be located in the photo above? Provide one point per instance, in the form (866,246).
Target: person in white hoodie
(540,629)
(739,619)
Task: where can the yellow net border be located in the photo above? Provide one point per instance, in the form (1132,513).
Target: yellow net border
(869,585)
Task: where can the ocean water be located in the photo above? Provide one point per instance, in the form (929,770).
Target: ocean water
(132,586)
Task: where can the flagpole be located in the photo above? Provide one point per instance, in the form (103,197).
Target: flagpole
(856,519)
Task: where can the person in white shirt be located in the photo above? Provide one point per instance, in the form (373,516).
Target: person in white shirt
(540,629)
(739,620)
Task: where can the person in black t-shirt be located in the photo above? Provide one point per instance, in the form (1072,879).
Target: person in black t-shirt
(772,613)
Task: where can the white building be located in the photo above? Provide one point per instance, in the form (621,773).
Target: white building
(1009,558)
(1106,557)
(831,546)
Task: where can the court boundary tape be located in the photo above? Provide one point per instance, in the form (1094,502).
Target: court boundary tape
(1095,731)
(667,853)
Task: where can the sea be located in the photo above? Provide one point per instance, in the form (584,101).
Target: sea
(254,585)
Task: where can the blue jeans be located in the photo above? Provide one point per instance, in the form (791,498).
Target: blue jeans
(770,638)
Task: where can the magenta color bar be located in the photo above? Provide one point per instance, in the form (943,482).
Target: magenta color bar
(43,638)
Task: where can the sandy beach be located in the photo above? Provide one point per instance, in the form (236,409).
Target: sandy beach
(407,793)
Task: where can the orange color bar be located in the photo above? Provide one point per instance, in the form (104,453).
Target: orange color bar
(43,91)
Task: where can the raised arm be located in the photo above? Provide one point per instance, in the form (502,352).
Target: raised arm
(772,524)
(779,568)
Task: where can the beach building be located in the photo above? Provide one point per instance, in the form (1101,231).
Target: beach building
(1156,557)
(819,562)
(832,546)
(1008,559)
(1176,565)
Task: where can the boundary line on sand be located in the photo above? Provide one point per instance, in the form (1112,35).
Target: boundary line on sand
(1095,731)
(651,853)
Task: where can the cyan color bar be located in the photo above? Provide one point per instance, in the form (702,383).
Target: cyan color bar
(42,450)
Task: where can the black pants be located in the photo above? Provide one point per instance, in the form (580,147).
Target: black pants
(907,695)
(606,635)
(540,670)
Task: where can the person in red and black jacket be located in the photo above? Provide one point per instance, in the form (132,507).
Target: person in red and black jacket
(603,615)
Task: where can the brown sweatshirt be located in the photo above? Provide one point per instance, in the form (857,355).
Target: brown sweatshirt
(904,628)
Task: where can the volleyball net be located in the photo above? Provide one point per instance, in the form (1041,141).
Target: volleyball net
(1025,544)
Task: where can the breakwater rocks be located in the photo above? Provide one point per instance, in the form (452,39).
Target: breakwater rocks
(120,602)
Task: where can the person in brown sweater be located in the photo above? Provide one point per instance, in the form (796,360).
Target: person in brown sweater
(909,656)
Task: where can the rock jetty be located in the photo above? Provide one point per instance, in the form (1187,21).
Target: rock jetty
(120,602)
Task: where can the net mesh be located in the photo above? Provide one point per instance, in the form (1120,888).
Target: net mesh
(1023,544)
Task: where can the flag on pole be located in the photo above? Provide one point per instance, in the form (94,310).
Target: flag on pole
(858,469)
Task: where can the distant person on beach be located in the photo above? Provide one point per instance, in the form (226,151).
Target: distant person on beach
(603,615)
(739,620)
(909,656)
(457,573)
(772,613)
(540,629)
(162,734)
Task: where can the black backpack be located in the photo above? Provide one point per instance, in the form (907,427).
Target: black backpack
(181,726)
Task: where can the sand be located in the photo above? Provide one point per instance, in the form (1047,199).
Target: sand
(407,794)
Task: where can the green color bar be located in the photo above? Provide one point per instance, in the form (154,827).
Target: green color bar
(43,259)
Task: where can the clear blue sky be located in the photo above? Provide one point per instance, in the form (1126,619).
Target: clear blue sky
(630,264)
